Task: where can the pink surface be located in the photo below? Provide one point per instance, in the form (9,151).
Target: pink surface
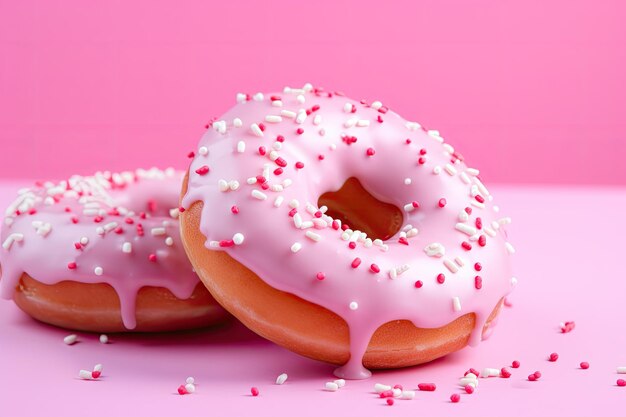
(120,84)
(564,275)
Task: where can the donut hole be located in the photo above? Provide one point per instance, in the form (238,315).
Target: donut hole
(147,196)
(360,210)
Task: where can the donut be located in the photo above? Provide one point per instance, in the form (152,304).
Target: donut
(343,232)
(102,253)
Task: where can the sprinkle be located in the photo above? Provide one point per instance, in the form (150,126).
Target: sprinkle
(13,237)
(237,122)
(478,282)
(553,357)
(441,278)
(296,247)
(313,236)
(356,262)
(437,170)
(515,364)
(238,238)
(157,231)
(191,388)
(442,202)
(621,383)
(374,268)
(621,369)
(127,247)
(435,249)
(509,248)
(354,305)
(456,304)
(505,373)
(288,113)
(223,186)
(418,284)
(390,401)
(455,398)
(450,265)
(104,339)
(320,276)
(281,379)
(254,391)
(427,386)
(568,326)
(98,270)
(273,119)
(489,372)
(83,374)
(584,365)
(450,169)
(152,257)
(465,228)
(182,390)
(256,130)
(482,240)
(70,339)
(340,382)
(241,146)
(362,123)
(407,181)
(258,195)
(459,261)
(331,386)
(169,241)
(203,170)
(278,201)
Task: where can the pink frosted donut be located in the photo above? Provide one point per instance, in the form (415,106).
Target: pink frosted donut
(103,253)
(273,247)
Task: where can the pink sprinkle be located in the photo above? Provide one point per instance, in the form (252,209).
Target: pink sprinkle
(374,268)
(356,262)
(418,284)
(299,165)
(320,276)
(441,278)
(553,357)
(455,398)
(390,401)
(478,282)
(621,383)
(442,202)
(568,326)
(254,391)
(584,365)
(203,170)
(182,390)
(515,364)
(234,209)
(152,257)
(71,265)
(370,152)
(478,266)
(427,386)
(469,389)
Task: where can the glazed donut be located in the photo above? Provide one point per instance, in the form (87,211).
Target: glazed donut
(344,232)
(103,254)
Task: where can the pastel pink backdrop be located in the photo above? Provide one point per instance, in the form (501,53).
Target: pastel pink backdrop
(529,91)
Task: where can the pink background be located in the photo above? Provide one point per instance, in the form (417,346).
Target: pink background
(529,91)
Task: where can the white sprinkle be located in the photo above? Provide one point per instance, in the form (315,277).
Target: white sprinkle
(313,236)
(273,119)
(258,195)
(127,247)
(301,117)
(407,181)
(241,98)
(300,99)
(91,212)
(489,372)
(465,228)
(495,225)
(214,244)
(278,201)
(413,125)
(347,107)
(277,188)
(463,216)
(296,247)
(378,388)
(465,178)
(157,231)
(509,248)
(256,130)
(287,182)
(104,339)
(277,103)
(294,203)
(459,261)
(437,170)
(277,145)
(83,374)
(70,339)
(190,380)
(174,213)
(191,388)
(233,185)
(238,238)
(281,379)
(412,233)
(203,150)
(481,186)
(97,367)
(513,281)
(504,220)
(223,185)
(409,207)
(220,126)
(13,237)
(307,224)
(317,120)
(273,155)
(450,169)
(456,303)
(363,123)
(98,270)
(396,392)
(490,231)
(297,220)
(350,122)
(434,249)
(288,113)
(450,265)
(621,369)
(100,230)
(376,105)
(258,97)
(354,305)
(408,395)
(340,382)
(331,386)
(169,241)
(472,171)
(241,146)
(448,148)
(251,180)
(467,380)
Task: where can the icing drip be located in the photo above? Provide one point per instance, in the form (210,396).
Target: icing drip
(120,229)
(284,150)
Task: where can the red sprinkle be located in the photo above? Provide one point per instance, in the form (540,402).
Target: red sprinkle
(398,386)
(226,243)
(455,398)
(374,268)
(262,127)
(182,390)
(478,282)
(568,327)
(478,266)
(427,386)
(280,138)
(418,284)
(370,152)
(71,265)
(278,171)
(479,223)
(386,394)
(356,262)
(469,389)
(335,225)
(532,377)
(553,357)
(515,364)
(320,157)
(621,383)
(234,209)
(262,150)
(404,241)
(482,240)
(352,245)
(466,245)
(442,202)
(281,162)
(505,373)
(203,170)
(479,198)
(254,391)
(584,365)
(191,154)
(537,374)
(318,214)
(421,160)
(320,276)
(408,141)
(422,151)
(441,278)
(300,131)
(152,257)
(390,401)
(299,165)
(468,210)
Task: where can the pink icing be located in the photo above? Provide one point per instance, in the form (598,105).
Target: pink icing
(326,139)
(40,238)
